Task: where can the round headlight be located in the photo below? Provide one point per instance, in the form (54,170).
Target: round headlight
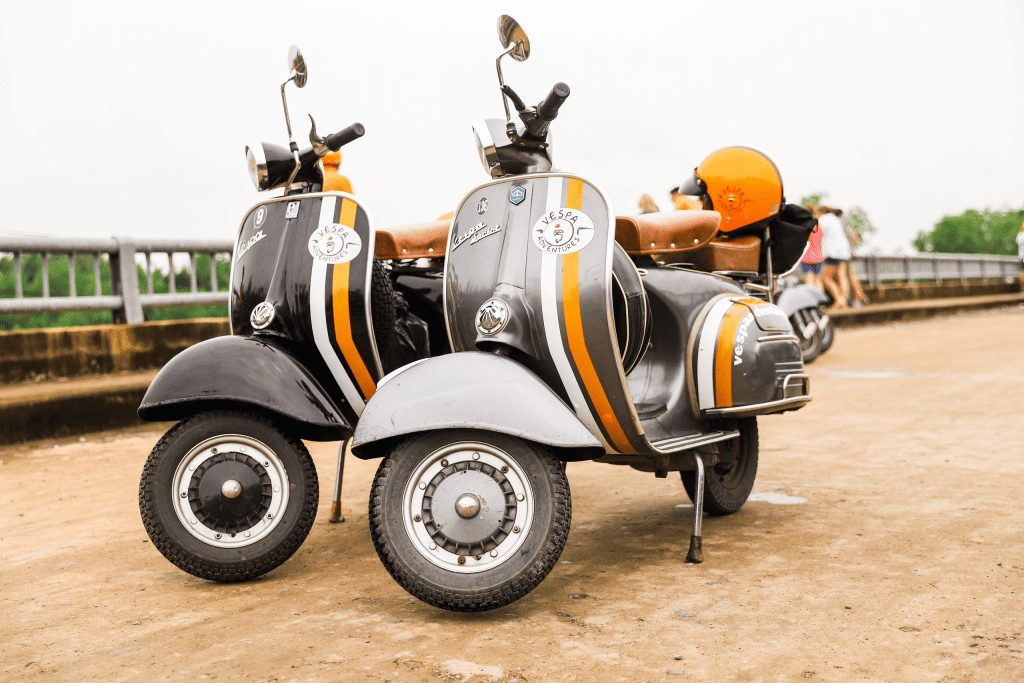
(485,148)
(257,167)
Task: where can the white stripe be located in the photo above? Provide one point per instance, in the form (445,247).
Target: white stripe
(549,309)
(318,313)
(706,350)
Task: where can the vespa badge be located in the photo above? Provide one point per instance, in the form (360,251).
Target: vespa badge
(492,317)
(481,206)
(517,195)
(262,315)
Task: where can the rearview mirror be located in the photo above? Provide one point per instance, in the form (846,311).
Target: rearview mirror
(511,33)
(298,66)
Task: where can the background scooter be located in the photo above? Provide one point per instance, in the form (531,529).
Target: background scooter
(804,305)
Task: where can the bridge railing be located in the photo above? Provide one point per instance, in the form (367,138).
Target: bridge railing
(126,299)
(934,268)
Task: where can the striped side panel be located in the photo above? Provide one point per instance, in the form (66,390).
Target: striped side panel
(549,280)
(723,355)
(318,313)
(342,317)
(707,348)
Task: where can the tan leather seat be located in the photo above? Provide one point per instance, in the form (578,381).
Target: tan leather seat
(666,233)
(426,240)
(738,253)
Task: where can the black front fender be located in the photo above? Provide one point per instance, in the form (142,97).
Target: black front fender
(244,370)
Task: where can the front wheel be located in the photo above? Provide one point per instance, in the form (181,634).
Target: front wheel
(468,520)
(728,484)
(810,335)
(227,496)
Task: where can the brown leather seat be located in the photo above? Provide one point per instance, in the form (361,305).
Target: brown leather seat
(426,240)
(665,233)
(737,253)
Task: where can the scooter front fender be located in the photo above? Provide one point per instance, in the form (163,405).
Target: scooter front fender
(470,390)
(246,371)
(793,299)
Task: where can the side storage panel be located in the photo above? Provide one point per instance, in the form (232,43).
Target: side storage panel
(745,360)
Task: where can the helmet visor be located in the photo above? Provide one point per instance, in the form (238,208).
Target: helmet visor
(695,187)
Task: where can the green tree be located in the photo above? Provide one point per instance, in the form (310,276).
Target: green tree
(973,232)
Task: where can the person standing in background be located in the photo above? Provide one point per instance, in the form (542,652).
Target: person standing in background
(836,249)
(1020,253)
(647,204)
(859,297)
(811,262)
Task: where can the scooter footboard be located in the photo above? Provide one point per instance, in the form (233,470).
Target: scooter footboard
(744,360)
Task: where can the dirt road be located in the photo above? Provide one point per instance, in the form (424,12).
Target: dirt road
(889,549)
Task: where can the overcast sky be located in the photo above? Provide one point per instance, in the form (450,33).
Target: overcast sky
(133,118)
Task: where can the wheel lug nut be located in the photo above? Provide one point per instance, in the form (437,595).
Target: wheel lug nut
(462,559)
(515,530)
(494,553)
(184,494)
(433,546)
(417,518)
(504,469)
(270,516)
(519,497)
(218,535)
(476,456)
(247,534)
(213,450)
(422,486)
(444,463)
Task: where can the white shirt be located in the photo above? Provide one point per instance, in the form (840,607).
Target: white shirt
(834,244)
(1020,245)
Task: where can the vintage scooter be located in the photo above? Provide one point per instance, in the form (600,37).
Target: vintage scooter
(804,305)
(230,492)
(564,351)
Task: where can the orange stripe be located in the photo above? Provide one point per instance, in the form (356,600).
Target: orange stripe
(578,349)
(342,320)
(723,355)
(574,194)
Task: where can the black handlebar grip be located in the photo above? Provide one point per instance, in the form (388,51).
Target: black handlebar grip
(343,137)
(548,108)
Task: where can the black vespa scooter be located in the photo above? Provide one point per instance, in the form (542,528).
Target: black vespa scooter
(564,351)
(230,492)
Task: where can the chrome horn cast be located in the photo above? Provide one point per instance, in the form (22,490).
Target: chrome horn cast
(230,491)
(262,315)
(492,317)
(468,507)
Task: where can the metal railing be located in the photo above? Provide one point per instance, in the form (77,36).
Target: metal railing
(934,268)
(126,300)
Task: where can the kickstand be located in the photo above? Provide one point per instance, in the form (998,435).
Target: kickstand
(696,554)
(336,503)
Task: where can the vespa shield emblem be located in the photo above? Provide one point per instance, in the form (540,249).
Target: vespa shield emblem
(517,195)
(262,315)
(481,206)
(492,317)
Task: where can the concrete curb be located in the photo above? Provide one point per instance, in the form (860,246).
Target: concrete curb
(55,409)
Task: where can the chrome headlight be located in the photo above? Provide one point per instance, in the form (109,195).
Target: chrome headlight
(257,167)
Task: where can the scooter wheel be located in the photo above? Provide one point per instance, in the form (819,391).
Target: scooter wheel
(810,347)
(728,484)
(467,520)
(227,496)
(828,334)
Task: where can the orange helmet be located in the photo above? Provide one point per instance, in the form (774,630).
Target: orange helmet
(740,183)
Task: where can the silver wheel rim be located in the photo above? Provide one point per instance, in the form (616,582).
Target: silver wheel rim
(439,480)
(274,485)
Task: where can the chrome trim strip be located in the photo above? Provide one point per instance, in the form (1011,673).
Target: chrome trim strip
(778,338)
(684,443)
(707,349)
(720,412)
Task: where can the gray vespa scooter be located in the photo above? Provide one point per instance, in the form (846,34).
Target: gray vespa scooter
(563,351)
(803,305)
(230,492)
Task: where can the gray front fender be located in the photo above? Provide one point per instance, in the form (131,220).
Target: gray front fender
(469,390)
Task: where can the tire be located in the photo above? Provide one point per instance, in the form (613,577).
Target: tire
(382,306)
(828,334)
(728,484)
(211,533)
(495,556)
(810,348)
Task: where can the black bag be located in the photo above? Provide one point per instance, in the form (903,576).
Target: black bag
(789,229)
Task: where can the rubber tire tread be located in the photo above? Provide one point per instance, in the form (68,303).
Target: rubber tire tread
(213,571)
(718,500)
(383,309)
(474,600)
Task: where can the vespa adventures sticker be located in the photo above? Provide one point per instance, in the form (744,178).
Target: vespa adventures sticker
(563,231)
(335,243)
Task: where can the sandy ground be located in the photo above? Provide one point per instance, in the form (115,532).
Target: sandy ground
(905,563)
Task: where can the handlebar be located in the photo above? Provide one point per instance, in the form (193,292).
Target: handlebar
(548,108)
(343,137)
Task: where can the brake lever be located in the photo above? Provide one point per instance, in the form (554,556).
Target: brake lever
(516,100)
(319,143)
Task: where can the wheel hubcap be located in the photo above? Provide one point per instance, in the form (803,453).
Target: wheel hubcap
(230,491)
(468,507)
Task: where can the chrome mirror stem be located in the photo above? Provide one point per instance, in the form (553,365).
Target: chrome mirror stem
(501,81)
(291,143)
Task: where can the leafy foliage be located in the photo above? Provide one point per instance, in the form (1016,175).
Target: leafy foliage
(973,232)
(85,286)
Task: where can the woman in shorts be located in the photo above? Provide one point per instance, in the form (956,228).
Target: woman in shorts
(836,249)
(811,262)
